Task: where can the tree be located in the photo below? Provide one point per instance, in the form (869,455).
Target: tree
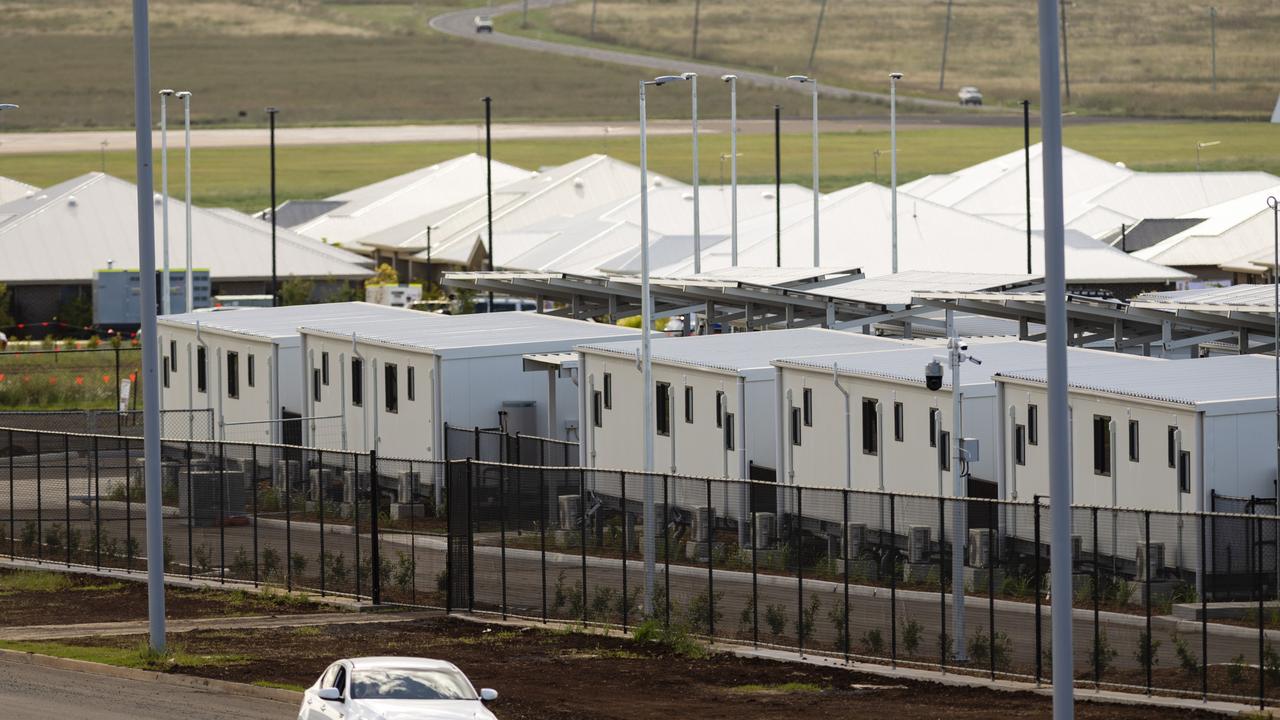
(6,319)
(385,274)
(296,291)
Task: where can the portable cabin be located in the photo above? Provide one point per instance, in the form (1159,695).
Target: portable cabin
(714,399)
(867,421)
(243,368)
(397,384)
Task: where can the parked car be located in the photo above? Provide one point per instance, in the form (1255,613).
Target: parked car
(484,24)
(970,95)
(399,688)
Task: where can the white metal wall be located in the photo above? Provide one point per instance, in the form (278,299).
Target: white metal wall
(254,404)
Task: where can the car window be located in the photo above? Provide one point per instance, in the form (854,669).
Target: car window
(410,684)
(326,680)
(340,681)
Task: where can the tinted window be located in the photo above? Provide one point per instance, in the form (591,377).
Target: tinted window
(1101,445)
(808,407)
(899,423)
(1033,424)
(663,407)
(391,377)
(357,382)
(410,684)
(870,431)
(233,375)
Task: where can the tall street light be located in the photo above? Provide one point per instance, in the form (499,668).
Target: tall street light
(275,280)
(188,290)
(488,183)
(646,323)
(150,358)
(816,194)
(1026,160)
(1202,145)
(697,216)
(1056,362)
(164,191)
(733,167)
(893,166)
(777,182)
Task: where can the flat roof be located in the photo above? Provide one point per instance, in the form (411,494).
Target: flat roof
(275,323)
(1003,356)
(748,354)
(459,334)
(1194,383)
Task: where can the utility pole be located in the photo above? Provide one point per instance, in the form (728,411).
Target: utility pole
(524,16)
(488,180)
(1066,62)
(1026,161)
(275,278)
(777,179)
(165,297)
(946,38)
(593,19)
(813,51)
(150,358)
(697,15)
(1213,44)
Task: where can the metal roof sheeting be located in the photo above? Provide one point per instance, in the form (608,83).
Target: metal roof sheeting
(1240,228)
(283,322)
(1235,298)
(1194,383)
(11,190)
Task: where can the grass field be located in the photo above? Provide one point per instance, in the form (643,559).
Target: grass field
(1129,57)
(237,177)
(69,64)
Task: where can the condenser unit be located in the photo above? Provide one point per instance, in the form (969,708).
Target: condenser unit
(1150,561)
(980,549)
(918,544)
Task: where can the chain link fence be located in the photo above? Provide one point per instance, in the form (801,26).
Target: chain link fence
(494,445)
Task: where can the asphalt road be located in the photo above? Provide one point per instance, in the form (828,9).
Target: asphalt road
(31,692)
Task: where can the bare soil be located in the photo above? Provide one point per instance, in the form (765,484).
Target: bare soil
(562,676)
(93,599)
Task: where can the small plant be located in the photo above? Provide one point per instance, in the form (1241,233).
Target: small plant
(1186,659)
(1146,651)
(241,564)
(404,571)
(561,594)
(1235,670)
(442,581)
(775,616)
(111,547)
(577,604)
(336,570)
(270,564)
(747,618)
(911,632)
(602,601)
(1103,654)
(298,564)
(675,639)
(703,613)
(1271,663)
(131,546)
(946,645)
(807,619)
(839,622)
(30,535)
(73,541)
(873,642)
(201,558)
(987,649)
(53,537)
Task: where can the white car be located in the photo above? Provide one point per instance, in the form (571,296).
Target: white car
(484,24)
(394,688)
(970,95)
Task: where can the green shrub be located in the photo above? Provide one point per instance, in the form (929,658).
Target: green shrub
(1186,658)
(1103,654)
(911,631)
(873,642)
(1147,650)
(704,612)
(776,617)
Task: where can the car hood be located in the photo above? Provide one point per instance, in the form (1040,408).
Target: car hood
(422,710)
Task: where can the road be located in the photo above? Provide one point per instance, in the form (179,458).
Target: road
(32,692)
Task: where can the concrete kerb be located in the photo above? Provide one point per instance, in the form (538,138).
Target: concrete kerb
(220,686)
(1227,709)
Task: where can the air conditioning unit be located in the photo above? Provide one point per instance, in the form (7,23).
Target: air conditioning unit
(1150,561)
(766,529)
(918,544)
(349,480)
(980,549)
(570,511)
(855,538)
(406,486)
(704,523)
(1077,549)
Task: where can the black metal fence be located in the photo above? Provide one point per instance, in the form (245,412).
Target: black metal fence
(193,424)
(494,445)
(1180,604)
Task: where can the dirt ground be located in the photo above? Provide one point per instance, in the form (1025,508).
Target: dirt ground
(551,675)
(65,599)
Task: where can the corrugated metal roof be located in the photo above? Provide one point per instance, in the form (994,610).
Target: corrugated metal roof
(11,190)
(1235,298)
(1229,231)
(66,232)
(1174,194)
(997,357)
(749,353)
(483,330)
(1195,383)
(283,322)
(897,290)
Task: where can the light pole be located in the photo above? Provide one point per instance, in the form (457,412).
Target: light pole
(102,149)
(1202,145)
(488,183)
(164,192)
(777,181)
(816,193)
(1056,361)
(150,358)
(1213,44)
(646,323)
(893,166)
(188,290)
(1026,160)
(957,355)
(733,167)
(1275,308)
(697,216)
(275,280)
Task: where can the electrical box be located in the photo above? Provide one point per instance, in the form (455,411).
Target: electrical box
(401,296)
(116,294)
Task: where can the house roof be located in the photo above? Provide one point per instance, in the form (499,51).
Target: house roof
(66,232)
(1235,298)
(1239,229)
(11,190)
(748,354)
(1217,380)
(276,323)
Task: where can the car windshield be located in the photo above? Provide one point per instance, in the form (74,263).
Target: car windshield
(410,684)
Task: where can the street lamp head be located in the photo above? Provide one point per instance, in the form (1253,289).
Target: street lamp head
(184,94)
(689,75)
(166,92)
(8,106)
(1210,143)
(895,76)
(728,78)
(800,78)
(1273,203)
(664,79)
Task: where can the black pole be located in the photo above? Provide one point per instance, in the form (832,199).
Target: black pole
(893,587)
(1026,161)
(942,583)
(1036,587)
(1146,594)
(275,279)
(375,578)
(488,180)
(777,180)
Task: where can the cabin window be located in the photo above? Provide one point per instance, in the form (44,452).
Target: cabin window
(357,382)
(597,409)
(807,403)
(173,356)
(728,431)
(1184,471)
(1173,446)
(899,423)
(391,381)
(1020,444)
(1133,441)
(719,408)
(202,370)
(252,376)
(608,391)
(410,390)
(324,368)
(935,416)
(1101,445)
(663,407)
(944,450)
(233,375)
(1033,425)
(166,374)
(688,403)
(870,434)
(315,384)
(796,421)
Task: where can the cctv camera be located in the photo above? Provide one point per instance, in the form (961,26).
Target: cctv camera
(933,376)
(964,347)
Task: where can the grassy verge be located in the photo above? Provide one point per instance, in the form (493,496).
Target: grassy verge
(236,177)
(141,657)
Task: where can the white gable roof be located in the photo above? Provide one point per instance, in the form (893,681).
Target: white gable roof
(1232,233)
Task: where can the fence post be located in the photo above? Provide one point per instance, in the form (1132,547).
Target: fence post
(191,515)
(755,588)
(626,539)
(375,580)
(66,508)
(711,554)
(253,488)
(1204,620)
(542,540)
(40,499)
(355,514)
(13,526)
(1035,514)
(844,555)
(942,583)
(666,552)
(97,504)
(471,535)
(1097,631)
(116,400)
(222,513)
(502,533)
(320,488)
(582,527)
(991,586)
(1146,594)
(475,436)
(893,585)
(1262,618)
(798,533)
(288,525)
(450,531)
